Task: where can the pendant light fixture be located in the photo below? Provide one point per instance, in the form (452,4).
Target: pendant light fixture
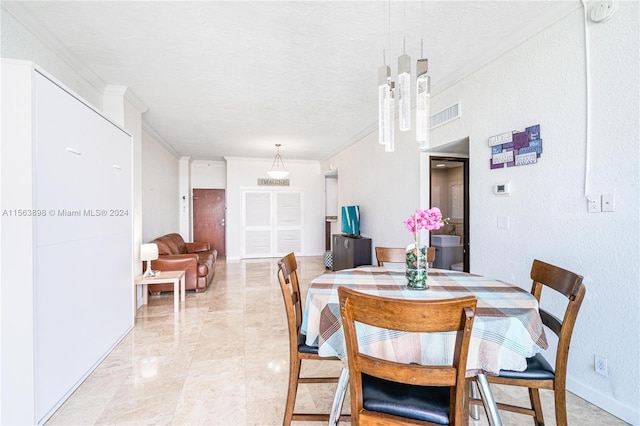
(404,83)
(423,102)
(404,91)
(387,92)
(278,171)
(386,104)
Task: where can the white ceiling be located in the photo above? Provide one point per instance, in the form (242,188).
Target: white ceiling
(234,78)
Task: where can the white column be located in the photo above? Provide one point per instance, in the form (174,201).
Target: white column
(124,108)
(186,202)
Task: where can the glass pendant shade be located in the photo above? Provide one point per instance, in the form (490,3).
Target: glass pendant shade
(389,144)
(384,94)
(278,174)
(404,92)
(278,171)
(423,103)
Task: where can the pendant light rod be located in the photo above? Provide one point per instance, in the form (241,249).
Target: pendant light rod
(421,28)
(278,170)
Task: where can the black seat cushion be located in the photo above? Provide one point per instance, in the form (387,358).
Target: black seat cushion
(303,347)
(425,403)
(537,369)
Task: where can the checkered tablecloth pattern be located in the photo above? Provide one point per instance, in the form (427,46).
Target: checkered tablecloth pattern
(506,331)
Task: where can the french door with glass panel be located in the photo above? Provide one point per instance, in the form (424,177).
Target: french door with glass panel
(272,222)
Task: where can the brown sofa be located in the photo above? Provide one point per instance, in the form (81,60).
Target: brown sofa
(198,259)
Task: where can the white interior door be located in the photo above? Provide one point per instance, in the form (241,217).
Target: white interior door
(272,222)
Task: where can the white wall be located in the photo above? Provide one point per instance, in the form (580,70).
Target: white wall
(242,173)
(543,82)
(386,186)
(208,174)
(160,195)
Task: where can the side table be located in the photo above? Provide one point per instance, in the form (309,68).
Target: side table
(164,277)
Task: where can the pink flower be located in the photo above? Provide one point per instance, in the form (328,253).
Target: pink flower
(410,225)
(429,219)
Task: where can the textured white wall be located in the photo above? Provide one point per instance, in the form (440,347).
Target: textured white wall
(542,82)
(386,186)
(160,195)
(208,174)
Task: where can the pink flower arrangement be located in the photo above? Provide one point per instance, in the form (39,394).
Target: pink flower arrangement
(428,219)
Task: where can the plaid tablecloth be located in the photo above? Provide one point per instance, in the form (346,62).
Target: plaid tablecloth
(507,328)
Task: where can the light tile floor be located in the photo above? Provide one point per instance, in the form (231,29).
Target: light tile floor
(223,360)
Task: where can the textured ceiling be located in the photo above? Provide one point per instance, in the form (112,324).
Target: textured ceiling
(234,78)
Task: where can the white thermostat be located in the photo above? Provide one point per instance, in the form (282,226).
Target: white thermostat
(502,188)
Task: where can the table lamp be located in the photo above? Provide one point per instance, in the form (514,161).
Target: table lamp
(149,252)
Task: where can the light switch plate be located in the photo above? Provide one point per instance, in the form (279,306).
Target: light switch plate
(608,203)
(503,222)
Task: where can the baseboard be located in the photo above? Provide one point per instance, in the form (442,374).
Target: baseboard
(624,412)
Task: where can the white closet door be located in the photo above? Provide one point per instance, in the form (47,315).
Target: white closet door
(256,213)
(272,223)
(83,249)
(288,222)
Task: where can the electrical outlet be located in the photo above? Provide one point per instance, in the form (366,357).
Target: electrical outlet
(600,365)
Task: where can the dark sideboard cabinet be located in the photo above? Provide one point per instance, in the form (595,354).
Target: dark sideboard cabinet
(349,252)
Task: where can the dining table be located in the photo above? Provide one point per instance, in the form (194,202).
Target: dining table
(506,331)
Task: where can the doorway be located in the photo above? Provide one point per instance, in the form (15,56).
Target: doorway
(449,190)
(209,209)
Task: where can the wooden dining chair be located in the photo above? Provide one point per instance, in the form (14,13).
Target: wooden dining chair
(398,255)
(388,392)
(539,373)
(298,349)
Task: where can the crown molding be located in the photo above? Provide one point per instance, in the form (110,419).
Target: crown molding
(155,135)
(261,160)
(128,94)
(217,162)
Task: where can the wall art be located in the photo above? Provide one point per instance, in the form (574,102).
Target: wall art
(515,148)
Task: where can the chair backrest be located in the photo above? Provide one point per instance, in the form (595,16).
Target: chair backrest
(390,254)
(569,285)
(426,316)
(398,255)
(288,278)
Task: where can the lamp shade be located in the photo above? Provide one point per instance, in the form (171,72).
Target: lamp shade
(149,251)
(278,174)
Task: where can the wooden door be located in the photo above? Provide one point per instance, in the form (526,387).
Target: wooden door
(209,218)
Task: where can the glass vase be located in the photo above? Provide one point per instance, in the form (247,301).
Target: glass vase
(416,267)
